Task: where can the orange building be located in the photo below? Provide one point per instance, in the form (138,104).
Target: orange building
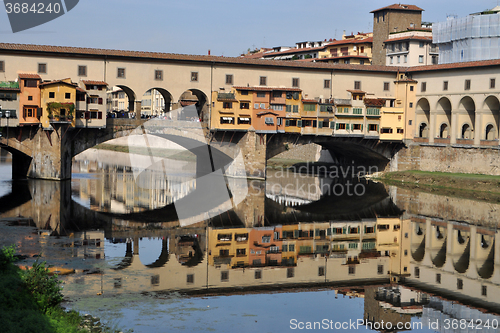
(29,99)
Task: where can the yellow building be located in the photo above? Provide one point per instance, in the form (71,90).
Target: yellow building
(58,100)
(354,49)
(228,247)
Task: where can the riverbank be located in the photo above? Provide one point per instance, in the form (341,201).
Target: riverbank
(29,302)
(470,186)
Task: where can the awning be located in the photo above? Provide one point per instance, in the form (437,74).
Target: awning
(227,118)
(245,119)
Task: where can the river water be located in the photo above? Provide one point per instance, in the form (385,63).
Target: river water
(294,252)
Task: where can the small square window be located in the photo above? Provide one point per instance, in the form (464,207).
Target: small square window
(30,98)
(155,280)
(326,84)
(194,76)
(42,68)
(411,104)
(67,95)
(224,276)
(445,85)
(120,73)
(467,85)
(386,86)
(82,70)
(158,75)
(229,78)
(295,82)
(411,88)
(258,274)
(492,83)
(190,278)
(263,81)
(52,94)
(2,66)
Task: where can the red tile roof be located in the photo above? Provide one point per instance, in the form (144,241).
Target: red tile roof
(56,81)
(456,65)
(351,41)
(295,50)
(102,53)
(80,90)
(374,101)
(309,101)
(426,38)
(29,76)
(95,83)
(355,91)
(399,6)
(9,89)
(343,57)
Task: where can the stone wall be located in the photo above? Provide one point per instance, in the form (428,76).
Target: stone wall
(308,152)
(447,159)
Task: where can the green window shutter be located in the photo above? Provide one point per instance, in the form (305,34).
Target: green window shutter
(361,126)
(315,123)
(288,108)
(332,125)
(344,230)
(320,124)
(296,233)
(329,231)
(299,123)
(296,108)
(337,126)
(287,122)
(347,127)
(316,232)
(284,247)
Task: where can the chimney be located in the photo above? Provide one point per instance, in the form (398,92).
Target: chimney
(208,52)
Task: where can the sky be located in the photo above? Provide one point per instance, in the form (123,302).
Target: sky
(225,27)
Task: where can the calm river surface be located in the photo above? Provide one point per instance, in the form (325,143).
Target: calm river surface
(295,252)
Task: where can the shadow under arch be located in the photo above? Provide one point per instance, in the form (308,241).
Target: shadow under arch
(130,95)
(418,248)
(423,117)
(127,260)
(462,264)
(167,101)
(468,128)
(162,258)
(190,253)
(443,117)
(487,268)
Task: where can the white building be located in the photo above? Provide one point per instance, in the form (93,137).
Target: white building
(472,38)
(411,48)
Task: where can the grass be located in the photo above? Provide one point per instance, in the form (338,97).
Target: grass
(20,310)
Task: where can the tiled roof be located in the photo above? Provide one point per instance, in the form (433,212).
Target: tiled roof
(456,65)
(267,89)
(343,57)
(56,81)
(95,83)
(351,41)
(295,50)
(80,90)
(102,53)
(29,76)
(374,101)
(426,38)
(399,6)
(309,101)
(355,91)
(9,89)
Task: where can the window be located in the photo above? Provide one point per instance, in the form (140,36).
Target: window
(295,82)
(42,68)
(190,278)
(421,44)
(244,92)
(321,271)
(2,66)
(269,121)
(411,88)
(399,59)
(352,270)
(120,73)
(227,105)
(326,84)
(158,75)
(417,272)
(391,60)
(224,276)
(411,104)
(357,85)
(309,107)
(405,57)
(229,78)
(386,86)
(82,70)
(155,280)
(483,290)
(241,252)
(67,95)
(438,278)
(467,85)
(258,274)
(400,131)
(227,120)
(295,108)
(386,130)
(266,239)
(30,98)
(263,81)
(52,94)
(261,94)
(420,59)
(423,86)
(30,83)
(357,127)
(445,85)
(460,284)
(290,272)
(380,269)
(245,105)
(406,252)
(492,82)
(194,76)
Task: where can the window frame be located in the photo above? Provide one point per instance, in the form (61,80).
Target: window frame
(2,66)
(158,75)
(326,84)
(194,77)
(229,79)
(357,85)
(386,86)
(445,85)
(467,84)
(295,82)
(42,68)
(82,70)
(492,83)
(423,87)
(263,81)
(121,73)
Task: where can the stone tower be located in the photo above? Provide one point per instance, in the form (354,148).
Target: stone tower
(397,17)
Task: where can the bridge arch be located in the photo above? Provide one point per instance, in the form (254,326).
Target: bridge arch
(423,117)
(466,114)
(443,117)
(438,245)
(485,255)
(491,118)
(199,99)
(122,101)
(418,242)
(460,250)
(156,102)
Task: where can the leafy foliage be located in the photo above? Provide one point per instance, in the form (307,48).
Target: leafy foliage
(45,289)
(7,256)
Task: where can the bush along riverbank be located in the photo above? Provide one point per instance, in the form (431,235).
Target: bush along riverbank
(469,186)
(30,301)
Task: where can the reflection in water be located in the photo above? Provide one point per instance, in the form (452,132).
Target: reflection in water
(410,262)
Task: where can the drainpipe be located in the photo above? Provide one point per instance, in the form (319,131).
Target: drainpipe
(211,93)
